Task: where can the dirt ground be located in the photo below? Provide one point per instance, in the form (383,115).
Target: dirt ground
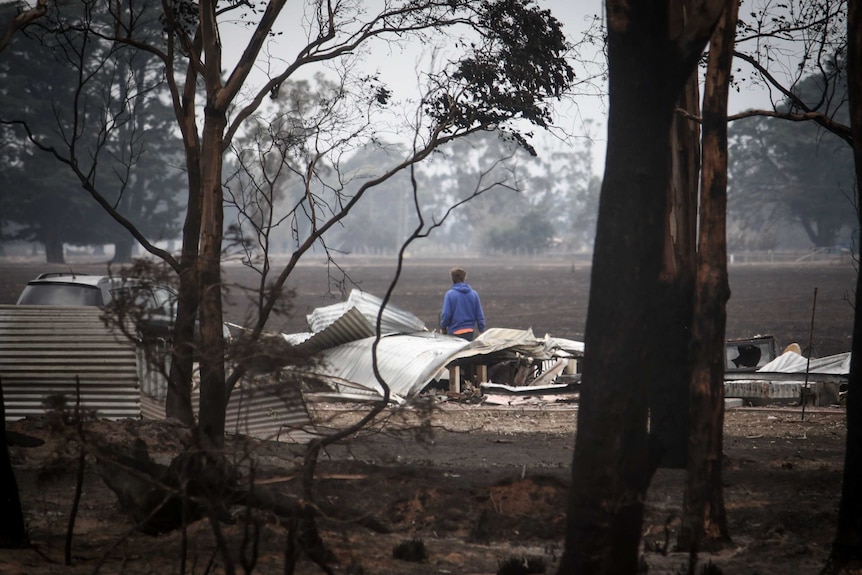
(477,485)
(485,486)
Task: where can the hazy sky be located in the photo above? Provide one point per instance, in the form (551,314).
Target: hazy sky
(575,15)
(400,68)
(572,117)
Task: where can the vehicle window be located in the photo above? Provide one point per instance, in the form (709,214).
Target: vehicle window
(139,297)
(166,301)
(60,294)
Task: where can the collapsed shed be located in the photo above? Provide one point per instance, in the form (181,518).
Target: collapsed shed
(409,358)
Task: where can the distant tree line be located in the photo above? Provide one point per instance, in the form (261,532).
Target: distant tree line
(538,204)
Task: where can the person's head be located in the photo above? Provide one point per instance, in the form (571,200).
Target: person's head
(458,275)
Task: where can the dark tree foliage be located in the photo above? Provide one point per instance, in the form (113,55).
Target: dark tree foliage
(67,92)
(795,171)
(503,78)
(40,202)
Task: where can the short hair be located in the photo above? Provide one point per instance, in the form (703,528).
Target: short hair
(458,275)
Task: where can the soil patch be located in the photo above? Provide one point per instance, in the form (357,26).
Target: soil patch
(486,485)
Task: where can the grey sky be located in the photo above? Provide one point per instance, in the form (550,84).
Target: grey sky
(401,67)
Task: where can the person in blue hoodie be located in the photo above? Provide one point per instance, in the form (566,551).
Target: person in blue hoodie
(462,311)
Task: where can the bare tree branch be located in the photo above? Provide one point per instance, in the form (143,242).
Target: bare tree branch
(23,18)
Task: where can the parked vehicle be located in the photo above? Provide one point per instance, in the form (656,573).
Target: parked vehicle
(152,306)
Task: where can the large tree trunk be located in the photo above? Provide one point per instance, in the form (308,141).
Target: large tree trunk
(669,394)
(13,531)
(611,467)
(213,393)
(847,547)
(178,403)
(704,512)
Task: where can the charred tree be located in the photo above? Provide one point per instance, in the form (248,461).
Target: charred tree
(13,531)
(178,402)
(846,551)
(611,468)
(704,515)
(213,390)
(669,394)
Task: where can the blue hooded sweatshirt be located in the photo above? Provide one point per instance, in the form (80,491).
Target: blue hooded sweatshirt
(462,309)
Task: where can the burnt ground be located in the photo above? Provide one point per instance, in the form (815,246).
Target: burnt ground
(477,485)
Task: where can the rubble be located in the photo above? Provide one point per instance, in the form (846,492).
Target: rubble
(409,358)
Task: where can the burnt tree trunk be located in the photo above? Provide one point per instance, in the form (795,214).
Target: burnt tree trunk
(847,547)
(213,394)
(704,515)
(13,531)
(611,467)
(669,394)
(178,403)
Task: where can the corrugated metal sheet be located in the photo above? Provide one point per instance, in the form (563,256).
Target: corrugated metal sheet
(283,348)
(154,365)
(791,362)
(496,339)
(265,409)
(260,407)
(394,320)
(269,410)
(351,326)
(43,349)
(764,387)
(406,362)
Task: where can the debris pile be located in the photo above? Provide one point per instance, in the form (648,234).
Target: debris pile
(410,359)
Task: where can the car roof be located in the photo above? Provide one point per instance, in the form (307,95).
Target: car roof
(70,278)
(86,280)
